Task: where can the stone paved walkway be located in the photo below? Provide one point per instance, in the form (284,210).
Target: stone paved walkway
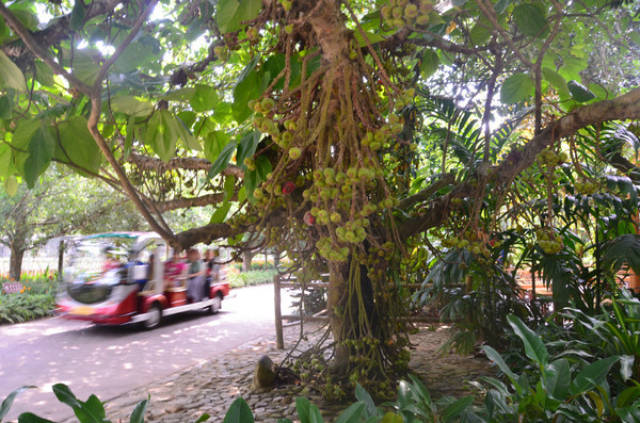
(212,387)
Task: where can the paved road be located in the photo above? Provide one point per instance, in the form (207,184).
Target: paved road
(109,361)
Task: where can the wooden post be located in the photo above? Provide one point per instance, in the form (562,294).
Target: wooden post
(276,297)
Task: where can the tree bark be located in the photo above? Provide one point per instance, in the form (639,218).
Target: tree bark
(15,262)
(61,248)
(247,256)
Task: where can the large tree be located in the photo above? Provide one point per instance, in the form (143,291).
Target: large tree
(300,117)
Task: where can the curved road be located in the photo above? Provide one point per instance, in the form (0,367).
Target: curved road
(109,361)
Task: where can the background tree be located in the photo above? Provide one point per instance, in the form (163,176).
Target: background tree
(304,115)
(59,205)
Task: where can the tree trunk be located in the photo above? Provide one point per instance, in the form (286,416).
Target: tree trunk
(276,259)
(61,247)
(247,256)
(15,263)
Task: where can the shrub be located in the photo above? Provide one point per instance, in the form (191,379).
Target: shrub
(251,278)
(35,300)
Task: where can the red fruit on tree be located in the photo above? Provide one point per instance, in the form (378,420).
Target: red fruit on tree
(288,187)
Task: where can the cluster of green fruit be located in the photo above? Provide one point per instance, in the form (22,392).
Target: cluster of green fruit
(476,247)
(353,232)
(548,241)
(329,184)
(400,13)
(382,137)
(587,188)
(551,159)
(327,250)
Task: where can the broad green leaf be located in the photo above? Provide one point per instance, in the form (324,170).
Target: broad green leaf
(592,375)
(226,10)
(533,346)
(76,145)
(429,63)
(363,396)
(130,105)
(8,401)
(303,407)
(11,185)
(557,379)
(6,107)
(221,212)
(495,356)
(137,416)
(160,134)
(32,418)
(64,395)
(263,168)
(579,92)
(231,14)
(518,87)
(128,139)
(41,148)
(239,412)
(10,75)
(203,418)
(187,117)
(626,367)
(556,80)
(352,414)
(214,143)
(6,167)
(223,159)
(481,31)
(182,94)
(247,147)
(85,66)
(531,20)
(184,135)
(372,38)
(77,15)
(92,410)
(250,183)
(142,51)
(44,74)
(453,411)
(204,98)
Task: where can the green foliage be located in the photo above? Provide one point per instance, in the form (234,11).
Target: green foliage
(35,301)
(251,278)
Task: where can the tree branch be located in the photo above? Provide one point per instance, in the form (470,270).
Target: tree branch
(189,163)
(624,107)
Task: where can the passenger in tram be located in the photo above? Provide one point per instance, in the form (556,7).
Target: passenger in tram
(173,271)
(196,276)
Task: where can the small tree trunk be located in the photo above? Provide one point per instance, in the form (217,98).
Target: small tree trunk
(247,256)
(276,258)
(60,258)
(15,263)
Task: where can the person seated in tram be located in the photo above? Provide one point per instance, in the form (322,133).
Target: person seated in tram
(111,259)
(195,276)
(173,270)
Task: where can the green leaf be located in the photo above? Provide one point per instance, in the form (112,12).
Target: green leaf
(221,212)
(392,418)
(76,145)
(91,411)
(137,416)
(247,147)
(160,134)
(32,418)
(44,74)
(222,160)
(41,148)
(531,20)
(6,167)
(6,107)
(11,186)
(307,412)
(495,356)
(592,376)
(64,395)
(77,15)
(481,31)
(626,367)
(10,75)
(556,80)
(363,396)
(203,418)
(184,135)
(458,407)
(204,98)
(518,87)
(557,379)
(239,412)
(128,139)
(251,84)
(429,63)
(533,346)
(214,143)
(232,13)
(8,401)
(130,105)
(352,414)
(579,92)
(226,10)
(263,167)
(85,66)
